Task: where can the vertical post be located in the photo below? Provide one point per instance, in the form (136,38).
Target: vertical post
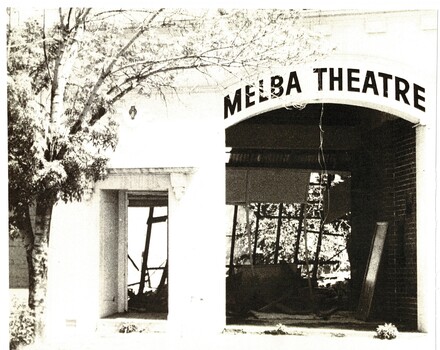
(257,226)
(306,250)
(318,251)
(234,230)
(322,186)
(248,233)
(425,183)
(277,242)
(298,236)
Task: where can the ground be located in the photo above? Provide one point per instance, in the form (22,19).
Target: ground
(247,338)
(235,337)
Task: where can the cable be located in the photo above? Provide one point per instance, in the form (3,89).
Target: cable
(324,172)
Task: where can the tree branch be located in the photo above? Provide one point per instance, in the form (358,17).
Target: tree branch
(101,111)
(107,71)
(188,57)
(63,66)
(141,78)
(68,18)
(46,60)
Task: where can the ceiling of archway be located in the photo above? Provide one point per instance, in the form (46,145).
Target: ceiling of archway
(292,137)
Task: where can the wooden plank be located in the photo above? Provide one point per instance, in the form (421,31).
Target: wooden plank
(371,271)
(234,230)
(145,254)
(257,226)
(298,236)
(164,277)
(277,242)
(134,264)
(318,250)
(248,233)
(157,219)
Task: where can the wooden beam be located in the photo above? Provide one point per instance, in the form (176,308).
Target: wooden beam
(257,225)
(164,277)
(134,264)
(369,284)
(234,230)
(248,233)
(157,219)
(145,254)
(277,242)
(298,236)
(318,251)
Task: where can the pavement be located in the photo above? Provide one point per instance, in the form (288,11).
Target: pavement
(242,339)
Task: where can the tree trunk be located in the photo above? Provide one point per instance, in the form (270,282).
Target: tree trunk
(37,258)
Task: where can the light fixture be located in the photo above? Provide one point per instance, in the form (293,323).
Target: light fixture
(133,111)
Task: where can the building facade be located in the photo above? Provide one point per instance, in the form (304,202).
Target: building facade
(374,98)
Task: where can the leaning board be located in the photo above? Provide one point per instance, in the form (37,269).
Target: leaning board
(371,271)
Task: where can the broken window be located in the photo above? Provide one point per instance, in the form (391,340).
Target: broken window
(280,253)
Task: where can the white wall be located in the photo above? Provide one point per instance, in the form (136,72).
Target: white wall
(172,133)
(196,250)
(404,36)
(73,286)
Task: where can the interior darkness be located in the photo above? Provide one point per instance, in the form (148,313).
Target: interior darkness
(333,115)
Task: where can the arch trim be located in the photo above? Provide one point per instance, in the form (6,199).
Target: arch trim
(385,87)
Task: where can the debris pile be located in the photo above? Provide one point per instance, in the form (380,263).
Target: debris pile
(254,290)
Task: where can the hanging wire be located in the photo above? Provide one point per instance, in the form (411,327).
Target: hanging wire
(321,156)
(324,172)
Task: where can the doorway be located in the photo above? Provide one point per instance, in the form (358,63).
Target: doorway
(147,254)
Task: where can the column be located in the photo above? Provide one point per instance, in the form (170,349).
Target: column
(425,174)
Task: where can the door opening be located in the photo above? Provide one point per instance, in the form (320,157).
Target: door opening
(147,255)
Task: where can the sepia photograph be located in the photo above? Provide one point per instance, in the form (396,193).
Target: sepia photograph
(220,177)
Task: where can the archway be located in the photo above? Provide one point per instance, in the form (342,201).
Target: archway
(373,151)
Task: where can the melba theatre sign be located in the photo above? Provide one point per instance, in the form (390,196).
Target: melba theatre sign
(374,88)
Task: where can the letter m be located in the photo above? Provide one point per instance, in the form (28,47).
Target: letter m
(232,107)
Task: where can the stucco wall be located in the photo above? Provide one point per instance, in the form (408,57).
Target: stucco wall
(180,131)
(403,36)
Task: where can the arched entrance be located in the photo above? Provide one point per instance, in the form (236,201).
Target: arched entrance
(364,164)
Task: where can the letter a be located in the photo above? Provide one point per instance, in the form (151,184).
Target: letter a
(293,83)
